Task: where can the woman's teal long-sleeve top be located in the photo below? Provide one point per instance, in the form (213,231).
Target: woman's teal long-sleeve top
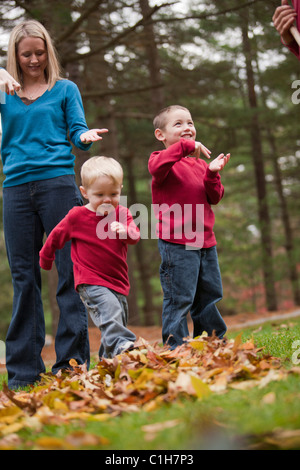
(36,138)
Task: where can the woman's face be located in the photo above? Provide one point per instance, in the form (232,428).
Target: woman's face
(32,57)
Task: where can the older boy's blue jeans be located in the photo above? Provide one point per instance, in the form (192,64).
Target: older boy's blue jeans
(29,211)
(191,282)
(109,312)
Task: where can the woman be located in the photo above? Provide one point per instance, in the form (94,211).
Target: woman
(39,112)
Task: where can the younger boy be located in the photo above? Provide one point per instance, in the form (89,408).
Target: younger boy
(183,189)
(100,232)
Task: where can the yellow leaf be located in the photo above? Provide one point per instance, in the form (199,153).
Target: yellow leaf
(202,389)
(142,378)
(99,417)
(199,345)
(12,428)
(60,405)
(52,397)
(8,415)
(52,443)
(237,341)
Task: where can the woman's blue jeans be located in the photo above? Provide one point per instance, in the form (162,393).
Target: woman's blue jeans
(29,211)
(191,282)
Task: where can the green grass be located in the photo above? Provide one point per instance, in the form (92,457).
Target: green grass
(233,420)
(277,338)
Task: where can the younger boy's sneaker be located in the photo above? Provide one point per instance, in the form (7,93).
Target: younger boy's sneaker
(127,346)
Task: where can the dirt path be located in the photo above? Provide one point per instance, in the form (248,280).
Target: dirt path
(153,333)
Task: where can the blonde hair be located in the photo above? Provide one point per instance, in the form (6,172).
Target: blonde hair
(101,166)
(34,29)
(160,120)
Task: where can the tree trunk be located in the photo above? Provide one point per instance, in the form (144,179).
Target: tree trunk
(284,212)
(141,252)
(263,210)
(157,97)
(98,67)
(289,244)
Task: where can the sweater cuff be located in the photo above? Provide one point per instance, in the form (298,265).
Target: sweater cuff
(46,263)
(133,233)
(188,146)
(211,174)
(82,145)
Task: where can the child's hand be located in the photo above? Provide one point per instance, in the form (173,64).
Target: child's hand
(92,135)
(118,228)
(218,163)
(200,148)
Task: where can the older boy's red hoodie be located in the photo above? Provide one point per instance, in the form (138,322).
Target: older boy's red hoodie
(183,190)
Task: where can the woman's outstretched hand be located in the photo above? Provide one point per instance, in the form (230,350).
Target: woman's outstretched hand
(92,135)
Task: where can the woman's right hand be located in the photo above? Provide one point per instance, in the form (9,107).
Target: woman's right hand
(7,83)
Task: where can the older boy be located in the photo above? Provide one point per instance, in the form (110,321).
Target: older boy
(189,272)
(100,232)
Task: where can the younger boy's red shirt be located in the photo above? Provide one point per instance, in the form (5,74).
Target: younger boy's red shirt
(98,254)
(183,190)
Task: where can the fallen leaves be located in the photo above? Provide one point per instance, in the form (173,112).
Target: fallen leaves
(145,377)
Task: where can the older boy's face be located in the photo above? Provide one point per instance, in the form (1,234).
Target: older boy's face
(179,125)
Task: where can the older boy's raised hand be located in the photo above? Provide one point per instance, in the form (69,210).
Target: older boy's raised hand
(200,148)
(218,163)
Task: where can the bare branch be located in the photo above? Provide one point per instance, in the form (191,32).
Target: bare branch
(114,92)
(129,115)
(204,16)
(116,40)
(66,34)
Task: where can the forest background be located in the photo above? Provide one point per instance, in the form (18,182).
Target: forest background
(225,62)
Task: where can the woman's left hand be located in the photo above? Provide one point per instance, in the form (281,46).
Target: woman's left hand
(92,135)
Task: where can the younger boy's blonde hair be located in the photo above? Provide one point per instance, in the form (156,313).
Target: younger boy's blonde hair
(101,166)
(160,120)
